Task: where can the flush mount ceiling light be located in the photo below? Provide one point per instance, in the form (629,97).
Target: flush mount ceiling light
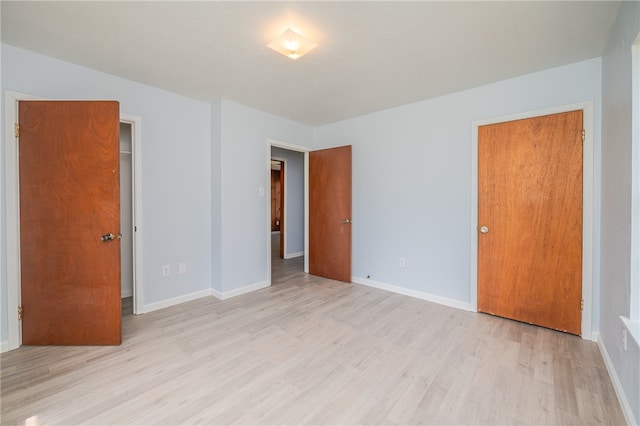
(292,44)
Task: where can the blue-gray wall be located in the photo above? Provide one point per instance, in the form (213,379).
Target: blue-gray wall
(176,168)
(203,165)
(412,176)
(617,125)
(245,213)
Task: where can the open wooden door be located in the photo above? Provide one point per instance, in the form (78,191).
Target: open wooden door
(530,220)
(330,213)
(70,222)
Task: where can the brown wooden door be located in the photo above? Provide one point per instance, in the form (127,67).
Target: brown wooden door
(69,198)
(330,213)
(530,201)
(281,209)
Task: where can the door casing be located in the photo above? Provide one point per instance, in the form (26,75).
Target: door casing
(590,220)
(12,185)
(305,150)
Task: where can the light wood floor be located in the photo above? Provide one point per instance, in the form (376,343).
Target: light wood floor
(313,351)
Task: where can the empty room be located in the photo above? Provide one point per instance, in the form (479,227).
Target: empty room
(305,213)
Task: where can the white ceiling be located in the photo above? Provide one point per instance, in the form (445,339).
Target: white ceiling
(371,55)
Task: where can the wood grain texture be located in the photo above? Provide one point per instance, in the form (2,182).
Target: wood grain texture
(312,351)
(69,197)
(530,198)
(329,206)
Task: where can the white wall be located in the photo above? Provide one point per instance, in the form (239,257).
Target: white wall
(412,176)
(176,167)
(617,123)
(244,216)
(294,215)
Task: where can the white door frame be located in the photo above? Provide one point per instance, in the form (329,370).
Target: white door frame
(590,232)
(12,201)
(305,150)
(136,182)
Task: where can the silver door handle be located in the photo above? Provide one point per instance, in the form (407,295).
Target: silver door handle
(347,221)
(484,229)
(108,237)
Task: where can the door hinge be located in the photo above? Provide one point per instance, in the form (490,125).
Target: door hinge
(16,130)
(583,135)
(20,312)
(581,305)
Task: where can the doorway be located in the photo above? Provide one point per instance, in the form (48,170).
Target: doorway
(126,218)
(287,213)
(530,218)
(14,325)
(590,238)
(277,203)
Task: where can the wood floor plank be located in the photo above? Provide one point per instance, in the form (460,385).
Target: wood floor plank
(313,351)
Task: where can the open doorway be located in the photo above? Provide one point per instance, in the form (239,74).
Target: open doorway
(277,203)
(287,213)
(126,218)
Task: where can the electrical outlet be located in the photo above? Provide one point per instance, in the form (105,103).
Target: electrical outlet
(624,338)
(166,270)
(403,263)
(182,267)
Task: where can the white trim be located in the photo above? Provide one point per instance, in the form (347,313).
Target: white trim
(413,293)
(298,148)
(13,212)
(617,386)
(240,291)
(126,293)
(12,209)
(136,181)
(4,346)
(306,211)
(177,300)
(634,291)
(294,255)
(633,330)
(588,202)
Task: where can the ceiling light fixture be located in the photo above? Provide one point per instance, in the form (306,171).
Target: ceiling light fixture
(292,44)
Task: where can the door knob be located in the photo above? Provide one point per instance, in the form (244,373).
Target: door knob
(108,237)
(484,229)
(347,221)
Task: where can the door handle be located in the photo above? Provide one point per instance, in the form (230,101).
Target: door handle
(108,237)
(484,229)
(347,221)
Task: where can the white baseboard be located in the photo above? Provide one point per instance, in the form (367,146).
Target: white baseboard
(413,293)
(238,291)
(4,346)
(294,255)
(177,300)
(128,292)
(617,386)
